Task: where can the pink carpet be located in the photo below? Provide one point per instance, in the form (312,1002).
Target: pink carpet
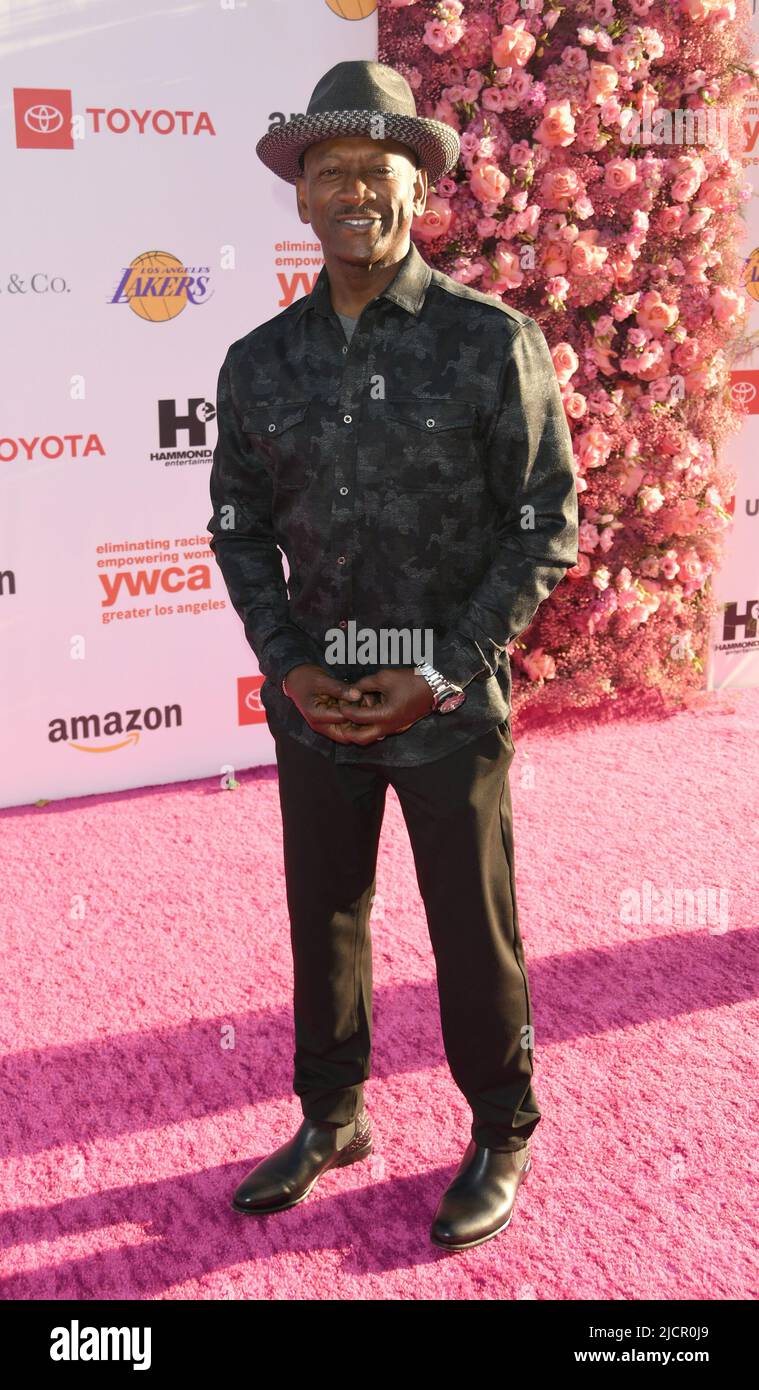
(147,1044)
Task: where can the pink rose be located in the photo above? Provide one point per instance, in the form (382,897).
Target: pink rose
(586,258)
(553,260)
(654,314)
(539,665)
(620,174)
(587,131)
(594,449)
(559,187)
(575,405)
(588,536)
(557,289)
(513,47)
(669,220)
(565,361)
(726,304)
(434,221)
(520,153)
(488,183)
(624,306)
(557,126)
(602,81)
(508,270)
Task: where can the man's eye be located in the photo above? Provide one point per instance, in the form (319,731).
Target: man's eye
(379,169)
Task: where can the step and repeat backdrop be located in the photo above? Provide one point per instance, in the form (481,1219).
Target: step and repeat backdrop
(735,636)
(141,237)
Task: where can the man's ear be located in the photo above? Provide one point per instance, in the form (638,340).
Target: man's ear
(302,199)
(421,189)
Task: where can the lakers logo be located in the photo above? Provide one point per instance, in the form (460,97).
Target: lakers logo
(157,286)
(750,276)
(352,9)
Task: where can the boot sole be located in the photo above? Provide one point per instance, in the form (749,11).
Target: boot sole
(340,1160)
(469,1244)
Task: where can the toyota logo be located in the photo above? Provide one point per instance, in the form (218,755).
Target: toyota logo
(743,392)
(44,120)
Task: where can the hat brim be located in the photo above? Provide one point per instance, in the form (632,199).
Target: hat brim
(437,144)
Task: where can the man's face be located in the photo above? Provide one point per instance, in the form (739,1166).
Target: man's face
(354,175)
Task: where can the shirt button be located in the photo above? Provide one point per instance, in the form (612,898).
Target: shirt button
(272,428)
(345,348)
(343,491)
(341,559)
(342,623)
(347,419)
(430,423)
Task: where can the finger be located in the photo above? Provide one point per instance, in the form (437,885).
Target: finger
(366,714)
(365,736)
(375,682)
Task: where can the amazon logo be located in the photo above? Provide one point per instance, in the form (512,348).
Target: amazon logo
(113,731)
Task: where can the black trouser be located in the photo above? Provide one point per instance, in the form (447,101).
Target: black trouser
(458,816)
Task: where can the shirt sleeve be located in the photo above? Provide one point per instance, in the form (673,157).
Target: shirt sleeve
(530,471)
(244,544)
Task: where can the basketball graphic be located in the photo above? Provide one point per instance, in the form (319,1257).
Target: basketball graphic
(352,9)
(154,266)
(750,277)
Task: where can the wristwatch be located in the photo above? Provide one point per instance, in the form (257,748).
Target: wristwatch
(446,695)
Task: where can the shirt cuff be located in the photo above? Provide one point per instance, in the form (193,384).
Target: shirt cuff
(459,659)
(283,653)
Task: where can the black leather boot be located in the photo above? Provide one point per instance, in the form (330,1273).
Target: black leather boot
(287,1176)
(480,1200)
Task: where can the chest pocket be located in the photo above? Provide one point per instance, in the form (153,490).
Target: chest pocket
(281,436)
(430,445)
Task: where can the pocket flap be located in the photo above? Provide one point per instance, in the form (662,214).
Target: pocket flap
(273,419)
(432,415)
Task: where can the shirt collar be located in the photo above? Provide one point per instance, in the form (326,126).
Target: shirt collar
(407,287)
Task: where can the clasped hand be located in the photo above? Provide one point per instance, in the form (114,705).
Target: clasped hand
(370,709)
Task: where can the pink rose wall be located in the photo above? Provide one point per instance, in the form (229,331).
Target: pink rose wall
(628,245)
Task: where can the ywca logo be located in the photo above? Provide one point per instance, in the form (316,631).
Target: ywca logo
(157,286)
(249,707)
(43,118)
(744,391)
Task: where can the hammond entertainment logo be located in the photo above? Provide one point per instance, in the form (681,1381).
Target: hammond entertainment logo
(75,1343)
(739,629)
(45,120)
(157,286)
(186,426)
(118,729)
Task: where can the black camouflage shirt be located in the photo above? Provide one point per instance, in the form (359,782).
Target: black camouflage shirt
(419,481)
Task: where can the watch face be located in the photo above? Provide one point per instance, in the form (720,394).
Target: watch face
(452,702)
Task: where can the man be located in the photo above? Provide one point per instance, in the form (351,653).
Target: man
(402,438)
